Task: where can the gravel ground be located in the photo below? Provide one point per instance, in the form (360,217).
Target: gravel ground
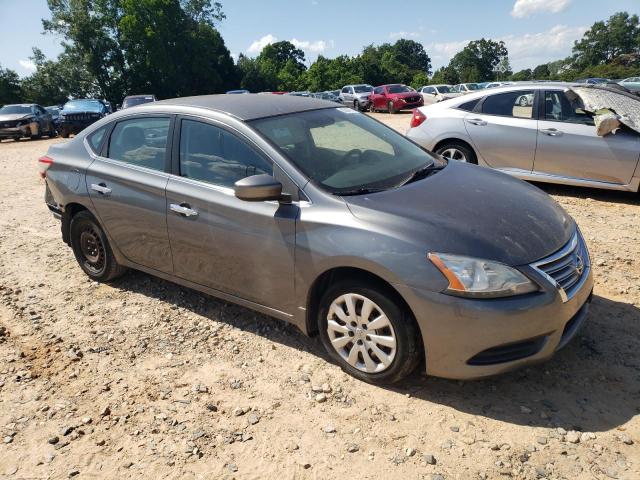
(148,379)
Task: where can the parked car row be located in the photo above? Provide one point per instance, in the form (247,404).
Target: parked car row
(33,121)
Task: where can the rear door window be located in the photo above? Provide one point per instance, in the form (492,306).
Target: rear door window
(140,141)
(517,104)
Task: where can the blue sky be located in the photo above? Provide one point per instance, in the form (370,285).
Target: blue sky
(535,31)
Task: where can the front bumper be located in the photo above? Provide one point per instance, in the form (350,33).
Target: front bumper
(468,338)
(75,126)
(21,131)
(400,105)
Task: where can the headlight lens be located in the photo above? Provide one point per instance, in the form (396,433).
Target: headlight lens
(474,277)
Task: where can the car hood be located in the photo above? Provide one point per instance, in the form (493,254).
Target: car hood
(469,210)
(363,94)
(13,116)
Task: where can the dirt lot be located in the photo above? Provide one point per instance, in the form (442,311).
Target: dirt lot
(143,378)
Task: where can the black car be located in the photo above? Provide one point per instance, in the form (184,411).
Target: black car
(133,100)
(79,114)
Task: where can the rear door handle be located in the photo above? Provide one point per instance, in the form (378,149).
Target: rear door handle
(101,188)
(183,209)
(552,132)
(477,121)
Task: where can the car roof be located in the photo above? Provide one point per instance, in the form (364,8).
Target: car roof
(19,104)
(249,106)
(141,95)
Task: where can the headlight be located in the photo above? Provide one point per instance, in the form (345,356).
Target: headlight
(474,277)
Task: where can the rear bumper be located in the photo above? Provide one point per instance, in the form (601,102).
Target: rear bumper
(466,338)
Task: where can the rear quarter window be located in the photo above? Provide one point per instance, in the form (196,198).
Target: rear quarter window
(96,138)
(469,106)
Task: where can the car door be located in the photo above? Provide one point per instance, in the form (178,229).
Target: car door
(241,248)
(503,132)
(45,119)
(126,184)
(569,146)
(429,94)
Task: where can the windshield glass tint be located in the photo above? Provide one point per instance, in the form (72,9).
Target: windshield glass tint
(473,86)
(443,89)
(343,150)
(83,106)
(399,89)
(363,88)
(14,109)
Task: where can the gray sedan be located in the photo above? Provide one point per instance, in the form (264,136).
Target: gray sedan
(323,217)
(534,132)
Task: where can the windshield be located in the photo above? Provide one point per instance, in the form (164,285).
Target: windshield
(15,109)
(344,151)
(130,102)
(472,86)
(399,89)
(443,89)
(83,106)
(362,88)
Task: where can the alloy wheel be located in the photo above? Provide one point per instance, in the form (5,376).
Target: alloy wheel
(361,333)
(452,153)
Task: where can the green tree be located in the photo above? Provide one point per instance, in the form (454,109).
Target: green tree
(541,72)
(606,40)
(9,86)
(447,75)
(419,80)
(522,75)
(476,62)
(166,47)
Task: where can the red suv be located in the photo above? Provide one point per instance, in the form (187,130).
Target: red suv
(394,98)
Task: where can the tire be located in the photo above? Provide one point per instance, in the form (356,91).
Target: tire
(355,106)
(372,108)
(523,101)
(92,250)
(467,154)
(399,360)
(64,133)
(391,109)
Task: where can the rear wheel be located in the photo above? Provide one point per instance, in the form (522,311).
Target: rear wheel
(91,248)
(457,151)
(368,332)
(64,133)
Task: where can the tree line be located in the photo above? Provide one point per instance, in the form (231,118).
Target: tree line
(172,48)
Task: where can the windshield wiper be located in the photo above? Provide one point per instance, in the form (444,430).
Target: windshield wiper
(422,173)
(359,191)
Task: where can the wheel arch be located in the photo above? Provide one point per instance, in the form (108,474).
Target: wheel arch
(70,210)
(336,274)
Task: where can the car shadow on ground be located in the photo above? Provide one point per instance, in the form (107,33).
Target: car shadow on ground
(596,194)
(593,384)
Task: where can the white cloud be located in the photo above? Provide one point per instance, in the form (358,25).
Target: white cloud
(524,8)
(313,47)
(258,45)
(531,49)
(316,47)
(527,50)
(27,65)
(403,34)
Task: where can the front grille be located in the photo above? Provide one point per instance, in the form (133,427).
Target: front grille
(81,116)
(567,267)
(508,353)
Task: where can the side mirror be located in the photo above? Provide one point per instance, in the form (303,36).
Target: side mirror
(258,188)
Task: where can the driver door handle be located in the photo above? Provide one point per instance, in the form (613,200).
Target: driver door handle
(477,121)
(552,132)
(183,209)
(101,188)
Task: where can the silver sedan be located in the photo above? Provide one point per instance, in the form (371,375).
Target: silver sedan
(547,138)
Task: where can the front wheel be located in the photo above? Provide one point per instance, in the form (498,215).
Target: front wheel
(92,250)
(391,108)
(368,332)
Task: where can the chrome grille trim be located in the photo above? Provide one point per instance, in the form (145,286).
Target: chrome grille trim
(566,269)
